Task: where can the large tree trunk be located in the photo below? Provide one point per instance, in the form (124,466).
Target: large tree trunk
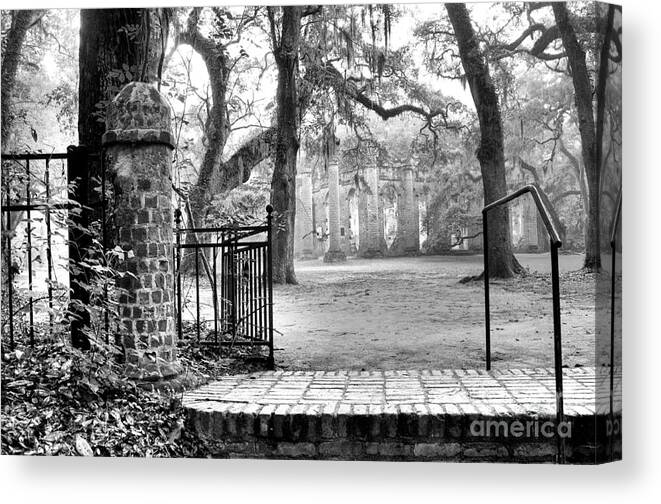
(283,185)
(22,21)
(586,126)
(490,154)
(117,46)
(579,173)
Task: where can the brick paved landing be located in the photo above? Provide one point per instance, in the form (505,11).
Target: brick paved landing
(503,415)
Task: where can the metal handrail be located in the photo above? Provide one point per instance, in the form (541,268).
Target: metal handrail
(223,229)
(542,202)
(613,243)
(543,205)
(6,156)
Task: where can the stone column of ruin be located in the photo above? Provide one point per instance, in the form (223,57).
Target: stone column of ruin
(530,222)
(319,220)
(334,253)
(374,238)
(362,222)
(411,232)
(138,144)
(305,234)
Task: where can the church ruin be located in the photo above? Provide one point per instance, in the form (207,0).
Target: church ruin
(378,208)
(380,211)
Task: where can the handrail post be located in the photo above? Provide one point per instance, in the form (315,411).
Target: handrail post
(557,349)
(487,314)
(611,444)
(269,220)
(177,230)
(613,244)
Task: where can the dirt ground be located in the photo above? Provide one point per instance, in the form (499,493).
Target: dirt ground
(402,313)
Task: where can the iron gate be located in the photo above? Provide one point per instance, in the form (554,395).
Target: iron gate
(224,284)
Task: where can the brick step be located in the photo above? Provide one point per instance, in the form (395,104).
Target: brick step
(451,415)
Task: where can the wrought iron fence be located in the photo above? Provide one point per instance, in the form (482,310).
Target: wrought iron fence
(43,233)
(35,205)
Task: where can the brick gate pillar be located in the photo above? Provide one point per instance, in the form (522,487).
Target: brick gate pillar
(334,253)
(411,231)
(305,233)
(374,238)
(138,144)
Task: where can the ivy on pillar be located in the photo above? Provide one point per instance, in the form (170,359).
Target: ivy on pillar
(138,144)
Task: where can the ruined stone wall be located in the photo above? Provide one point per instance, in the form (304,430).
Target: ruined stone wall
(370,240)
(404,180)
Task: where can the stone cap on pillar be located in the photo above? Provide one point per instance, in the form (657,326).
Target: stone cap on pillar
(138,114)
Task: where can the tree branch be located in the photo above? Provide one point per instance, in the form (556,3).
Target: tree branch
(530,168)
(551,34)
(311,10)
(572,159)
(460,239)
(526,33)
(328,76)
(471,177)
